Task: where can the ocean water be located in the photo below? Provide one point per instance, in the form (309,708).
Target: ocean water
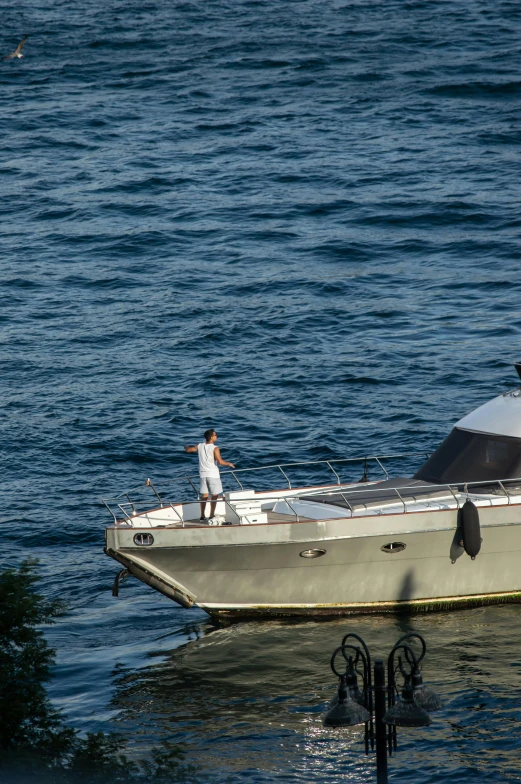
(294,221)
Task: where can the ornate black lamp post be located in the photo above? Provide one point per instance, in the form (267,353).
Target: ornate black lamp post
(377,705)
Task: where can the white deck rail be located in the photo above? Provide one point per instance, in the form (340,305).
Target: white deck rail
(125,500)
(132,502)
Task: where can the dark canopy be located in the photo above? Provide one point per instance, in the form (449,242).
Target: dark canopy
(473,457)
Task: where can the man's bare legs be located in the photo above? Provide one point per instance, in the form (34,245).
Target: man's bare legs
(213,505)
(204,500)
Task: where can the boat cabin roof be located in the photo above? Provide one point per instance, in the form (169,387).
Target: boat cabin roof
(500,416)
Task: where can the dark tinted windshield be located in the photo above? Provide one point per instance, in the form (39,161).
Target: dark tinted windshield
(472,457)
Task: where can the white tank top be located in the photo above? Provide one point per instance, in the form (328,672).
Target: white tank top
(207,465)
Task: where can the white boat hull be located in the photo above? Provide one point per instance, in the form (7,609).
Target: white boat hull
(249,571)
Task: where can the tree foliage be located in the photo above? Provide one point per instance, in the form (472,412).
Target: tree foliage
(35,743)
(27,718)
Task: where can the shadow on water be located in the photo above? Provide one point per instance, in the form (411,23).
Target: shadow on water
(250,697)
(407,588)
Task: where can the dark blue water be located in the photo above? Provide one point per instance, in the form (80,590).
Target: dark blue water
(298,223)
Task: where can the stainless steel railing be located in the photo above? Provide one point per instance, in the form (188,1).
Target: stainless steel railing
(308,463)
(133,503)
(403,495)
(456,489)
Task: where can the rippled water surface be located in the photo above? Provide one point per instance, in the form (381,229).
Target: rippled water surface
(294,221)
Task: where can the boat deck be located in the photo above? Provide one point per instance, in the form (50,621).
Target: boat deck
(273,517)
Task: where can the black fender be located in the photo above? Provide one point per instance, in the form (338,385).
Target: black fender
(469,523)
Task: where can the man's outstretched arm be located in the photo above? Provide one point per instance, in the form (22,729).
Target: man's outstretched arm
(191,448)
(219,460)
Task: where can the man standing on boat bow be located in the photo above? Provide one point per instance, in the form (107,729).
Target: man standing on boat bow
(209,460)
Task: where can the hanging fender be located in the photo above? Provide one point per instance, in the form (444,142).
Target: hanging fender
(470,529)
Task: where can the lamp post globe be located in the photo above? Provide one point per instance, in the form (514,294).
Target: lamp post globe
(406,712)
(350,681)
(422,695)
(344,711)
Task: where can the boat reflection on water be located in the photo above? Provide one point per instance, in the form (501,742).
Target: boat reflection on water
(247,700)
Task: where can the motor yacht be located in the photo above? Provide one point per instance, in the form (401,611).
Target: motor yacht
(447,537)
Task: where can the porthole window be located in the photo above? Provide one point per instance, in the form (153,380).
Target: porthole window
(312,553)
(393,547)
(144,540)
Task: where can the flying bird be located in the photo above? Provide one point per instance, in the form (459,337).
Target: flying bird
(17,52)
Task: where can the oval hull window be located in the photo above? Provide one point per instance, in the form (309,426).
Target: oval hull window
(143,540)
(312,553)
(393,547)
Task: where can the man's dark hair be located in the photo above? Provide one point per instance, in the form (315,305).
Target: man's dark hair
(209,433)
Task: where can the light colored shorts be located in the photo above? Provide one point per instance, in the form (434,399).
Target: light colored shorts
(211,485)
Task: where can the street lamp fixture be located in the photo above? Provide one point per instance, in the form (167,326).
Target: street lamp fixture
(406,712)
(350,680)
(378,705)
(343,710)
(424,696)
